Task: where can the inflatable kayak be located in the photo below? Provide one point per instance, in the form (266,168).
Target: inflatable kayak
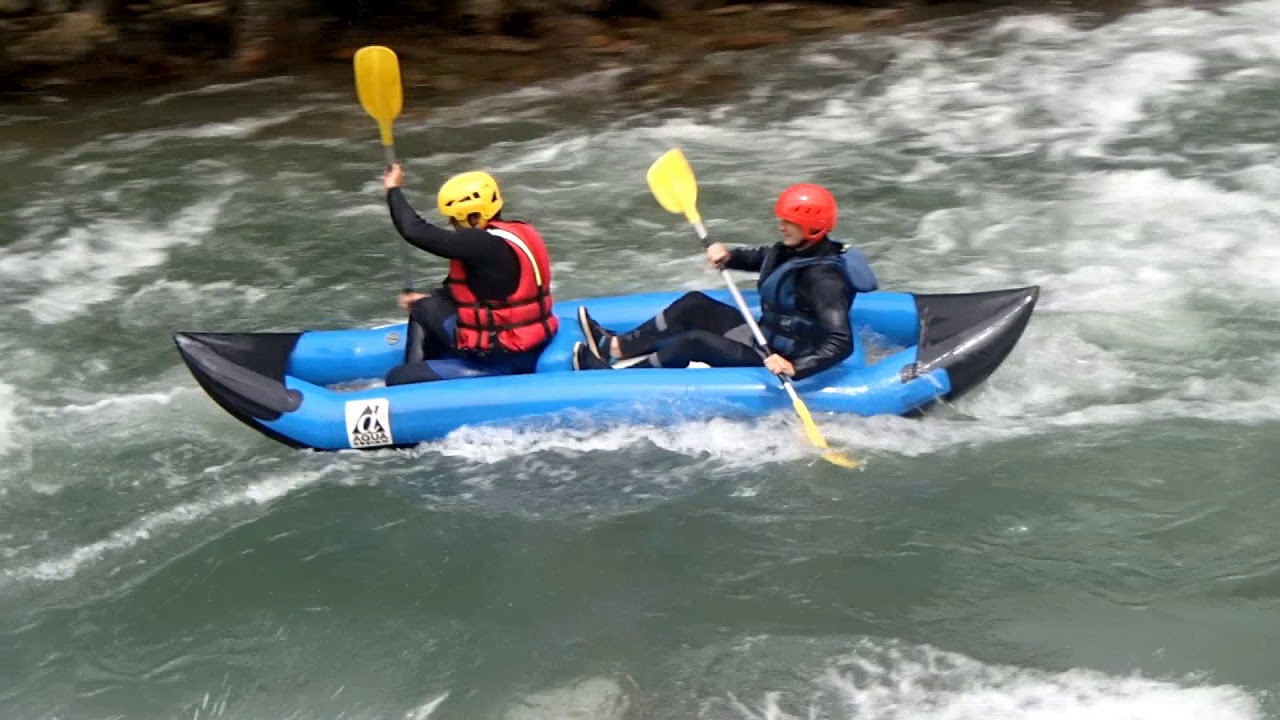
(303,388)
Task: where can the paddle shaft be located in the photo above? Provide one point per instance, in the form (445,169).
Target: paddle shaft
(746,312)
(671,180)
(389,152)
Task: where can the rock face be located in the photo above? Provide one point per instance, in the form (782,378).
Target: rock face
(659,47)
(95,43)
(86,41)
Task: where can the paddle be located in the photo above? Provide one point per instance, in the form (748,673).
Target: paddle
(378,87)
(672,183)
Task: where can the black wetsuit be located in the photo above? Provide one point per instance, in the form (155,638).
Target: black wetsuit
(493,270)
(697,328)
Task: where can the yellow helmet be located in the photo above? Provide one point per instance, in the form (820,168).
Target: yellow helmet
(470,192)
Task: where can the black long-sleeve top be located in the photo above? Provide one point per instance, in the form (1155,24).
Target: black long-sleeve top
(493,270)
(824,294)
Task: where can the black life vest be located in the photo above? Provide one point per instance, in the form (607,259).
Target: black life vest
(788,330)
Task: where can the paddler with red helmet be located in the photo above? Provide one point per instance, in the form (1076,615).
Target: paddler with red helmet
(807,285)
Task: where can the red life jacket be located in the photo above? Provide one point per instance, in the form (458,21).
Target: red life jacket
(521,321)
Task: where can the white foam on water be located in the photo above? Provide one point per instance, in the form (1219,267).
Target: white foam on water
(1112,98)
(280,81)
(900,682)
(562,154)
(181,303)
(1047,84)
(369,210)
(425,710)
(999,417)
(11,429)
(66,565)
(1051,30)
(835,677)
(1125,259)
(12,153)
(320,144)
(1143,249)
(121,403)
(721,439)
(1049,369)
(125,143)
(85,266)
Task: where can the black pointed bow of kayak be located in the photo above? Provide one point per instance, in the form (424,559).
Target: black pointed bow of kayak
(970,334)
(244,373)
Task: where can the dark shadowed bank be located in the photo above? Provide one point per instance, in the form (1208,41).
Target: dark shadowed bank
(449,46)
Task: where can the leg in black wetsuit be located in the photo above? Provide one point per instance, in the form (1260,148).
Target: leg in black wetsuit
(694,328)
(430,336)
(434,315)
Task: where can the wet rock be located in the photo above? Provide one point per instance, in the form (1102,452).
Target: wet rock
(201,11)
(585,7)
(569,30)
(517,46)
(448,83)
(481,16)
(746,40)
(675,78)
(492,44)
(806,25)
(668,9)
(729,10)
(67,37)
(54,7)
(887,17)
(14,7)
(610,46)
(527,73)
(269,34)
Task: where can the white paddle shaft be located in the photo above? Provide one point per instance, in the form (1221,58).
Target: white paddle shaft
(746,312)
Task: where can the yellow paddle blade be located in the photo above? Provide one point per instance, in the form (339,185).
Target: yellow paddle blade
(815,438)
(378,86)
(840,459)
(672,182)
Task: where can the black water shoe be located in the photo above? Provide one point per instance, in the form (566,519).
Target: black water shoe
(584,359)
(598,339)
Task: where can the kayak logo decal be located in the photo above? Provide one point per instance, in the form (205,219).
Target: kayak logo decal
(368,423)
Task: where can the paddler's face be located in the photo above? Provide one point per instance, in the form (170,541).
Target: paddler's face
(792,234)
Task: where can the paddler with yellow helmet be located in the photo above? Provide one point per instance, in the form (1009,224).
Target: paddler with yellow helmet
(493,313)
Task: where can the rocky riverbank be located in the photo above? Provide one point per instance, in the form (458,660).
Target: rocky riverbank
(450,46)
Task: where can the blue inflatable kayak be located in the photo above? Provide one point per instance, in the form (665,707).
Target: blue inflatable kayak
(289,386)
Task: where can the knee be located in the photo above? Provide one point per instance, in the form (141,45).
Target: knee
(408,373)
(693,296)
(433,310)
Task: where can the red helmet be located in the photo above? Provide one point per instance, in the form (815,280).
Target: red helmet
(810,206)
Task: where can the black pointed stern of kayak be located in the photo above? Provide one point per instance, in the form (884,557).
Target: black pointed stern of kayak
(244,374)
(970,334)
